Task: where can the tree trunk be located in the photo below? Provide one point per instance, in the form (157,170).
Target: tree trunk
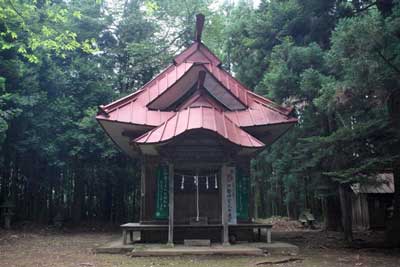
(107,201)
(78,196)
(393,229)
(263,199)
(288,209)
(331,213)
(345,205)
(256,194)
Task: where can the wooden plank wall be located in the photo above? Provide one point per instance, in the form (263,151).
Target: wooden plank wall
(360,212)
(244,164)
(150,186)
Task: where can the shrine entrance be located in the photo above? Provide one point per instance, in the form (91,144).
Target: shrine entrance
(197,196)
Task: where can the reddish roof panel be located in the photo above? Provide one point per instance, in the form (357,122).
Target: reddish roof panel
(153,88)
(227,110)
(197,52)
(199,118)
(257,115)
(211,84)
(133,113)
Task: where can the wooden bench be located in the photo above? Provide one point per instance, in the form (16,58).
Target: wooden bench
(255,226)
(137,227)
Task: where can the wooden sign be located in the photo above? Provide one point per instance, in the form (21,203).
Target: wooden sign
(162,197)
(242,194)
(230,194)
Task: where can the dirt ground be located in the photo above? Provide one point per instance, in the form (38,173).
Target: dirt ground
(48,247)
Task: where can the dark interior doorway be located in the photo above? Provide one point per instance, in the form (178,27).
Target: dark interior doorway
(197,196)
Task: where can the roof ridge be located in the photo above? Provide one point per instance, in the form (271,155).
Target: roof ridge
(270,104)
(196,46)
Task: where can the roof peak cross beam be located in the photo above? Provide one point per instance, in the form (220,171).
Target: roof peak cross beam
(200,80)
(199,27)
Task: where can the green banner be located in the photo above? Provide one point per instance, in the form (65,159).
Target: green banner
(162,196)
(242,194)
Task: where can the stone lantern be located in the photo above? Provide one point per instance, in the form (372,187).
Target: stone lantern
(58,220)
(7,209)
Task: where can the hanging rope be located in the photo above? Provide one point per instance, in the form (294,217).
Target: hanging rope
(197,199)
(192,176)
(197,178)
(196,181)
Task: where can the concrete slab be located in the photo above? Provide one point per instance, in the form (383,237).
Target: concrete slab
(276,248)
(114,247)
(197,242)
(243,249)
(180,250)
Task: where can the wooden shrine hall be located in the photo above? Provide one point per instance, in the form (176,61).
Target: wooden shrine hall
(195,129)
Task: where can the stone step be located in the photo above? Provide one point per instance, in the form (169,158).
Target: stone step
(197,242)
(180,250)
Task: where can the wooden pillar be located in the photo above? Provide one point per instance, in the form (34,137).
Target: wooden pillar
(124,237)
(171,204)
(269,235)
(224,211)
(251,189)
(142,189)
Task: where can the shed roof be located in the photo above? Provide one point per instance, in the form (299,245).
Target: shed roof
(382,184)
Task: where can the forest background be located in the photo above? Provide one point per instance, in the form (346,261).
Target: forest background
(337,62)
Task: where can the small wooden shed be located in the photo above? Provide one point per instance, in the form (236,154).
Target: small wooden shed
(195,129)
(372,202)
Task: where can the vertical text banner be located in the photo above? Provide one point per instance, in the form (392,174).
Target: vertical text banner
(230,194)
(242,194)
(162,196)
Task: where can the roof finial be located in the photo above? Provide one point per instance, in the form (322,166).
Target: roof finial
(199,26)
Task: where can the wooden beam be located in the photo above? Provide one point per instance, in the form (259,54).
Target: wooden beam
(200,80)
(199,26)
(224,211)
(171,204)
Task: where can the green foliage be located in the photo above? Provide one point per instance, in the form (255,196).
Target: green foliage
(53,153)
(47,110)
(287,64)
(34,27)
(338,64)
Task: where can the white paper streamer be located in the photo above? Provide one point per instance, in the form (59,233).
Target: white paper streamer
(183,182)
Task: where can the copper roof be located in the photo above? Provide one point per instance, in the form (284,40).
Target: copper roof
(199,117)
(171,104)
